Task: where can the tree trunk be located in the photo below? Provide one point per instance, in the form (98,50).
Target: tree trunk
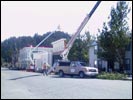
(121,68)
(110,65)
(122,64)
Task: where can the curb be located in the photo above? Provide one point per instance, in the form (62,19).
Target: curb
(128,79)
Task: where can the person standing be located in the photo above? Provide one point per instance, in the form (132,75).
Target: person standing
(44,69)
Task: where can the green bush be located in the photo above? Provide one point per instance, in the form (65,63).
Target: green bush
(111,76)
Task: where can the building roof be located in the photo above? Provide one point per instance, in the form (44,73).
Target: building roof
(41,46)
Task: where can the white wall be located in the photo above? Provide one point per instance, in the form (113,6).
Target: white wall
(45,54)
(40,59)
(92,56)
(58,45)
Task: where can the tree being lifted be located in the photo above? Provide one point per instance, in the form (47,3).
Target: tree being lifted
(115,37)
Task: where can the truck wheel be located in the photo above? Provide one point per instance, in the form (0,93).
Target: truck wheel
(81,74)
(61,74)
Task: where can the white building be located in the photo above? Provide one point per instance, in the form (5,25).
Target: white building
(94,61)
(41,54)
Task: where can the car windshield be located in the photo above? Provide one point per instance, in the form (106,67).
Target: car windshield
(81,64)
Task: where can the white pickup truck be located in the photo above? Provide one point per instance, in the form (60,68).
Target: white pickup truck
(75,68)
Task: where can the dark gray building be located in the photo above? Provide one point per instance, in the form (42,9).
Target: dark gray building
(102,64)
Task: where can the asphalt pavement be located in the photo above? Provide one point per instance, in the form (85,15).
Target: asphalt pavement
(30,85)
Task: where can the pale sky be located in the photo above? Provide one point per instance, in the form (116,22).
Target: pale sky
(25,18)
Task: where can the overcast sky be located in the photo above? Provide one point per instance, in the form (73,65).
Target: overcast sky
(25,18)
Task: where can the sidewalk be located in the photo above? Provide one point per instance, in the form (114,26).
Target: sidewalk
(129,78)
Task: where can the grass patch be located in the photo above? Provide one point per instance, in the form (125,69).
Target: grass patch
(111,76)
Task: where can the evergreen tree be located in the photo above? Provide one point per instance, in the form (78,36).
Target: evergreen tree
(79,50)
(10,47)
(114,37)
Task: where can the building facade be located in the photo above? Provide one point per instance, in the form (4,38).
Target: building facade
(42,54)
(102,64)
(94,61)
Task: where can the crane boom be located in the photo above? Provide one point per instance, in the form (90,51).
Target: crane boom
(65,53)
(30,53)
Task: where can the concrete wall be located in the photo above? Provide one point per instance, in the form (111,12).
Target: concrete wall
(92,56)
(94,61)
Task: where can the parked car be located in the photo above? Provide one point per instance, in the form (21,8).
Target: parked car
(22,68)
(75,68)
(13,68)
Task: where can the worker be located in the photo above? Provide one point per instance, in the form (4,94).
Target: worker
(44,69)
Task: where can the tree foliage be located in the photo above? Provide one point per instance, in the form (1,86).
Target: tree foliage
(79,50)
(10,47)
(114,37)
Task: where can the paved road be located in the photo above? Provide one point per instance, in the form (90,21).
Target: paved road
(20,84)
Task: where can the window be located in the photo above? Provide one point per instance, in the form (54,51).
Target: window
(100,63)
(73,65)
(127,64)
(95,50)
(128,47)
(64,63)
(95,63)
(83,63)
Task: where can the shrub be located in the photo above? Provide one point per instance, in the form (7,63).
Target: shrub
(111,76)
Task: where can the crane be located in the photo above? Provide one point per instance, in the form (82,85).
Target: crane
(31,51)
(65,53)
(69,45)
